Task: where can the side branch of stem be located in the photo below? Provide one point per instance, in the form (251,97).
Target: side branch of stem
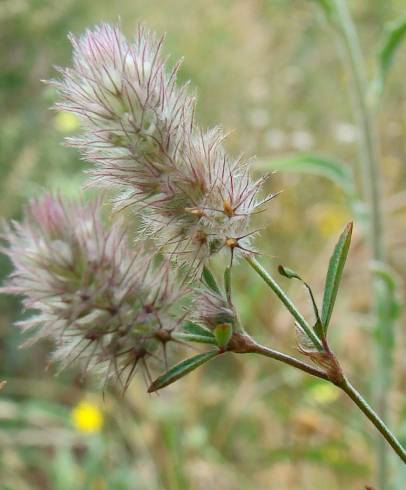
(280,293)
(244,344)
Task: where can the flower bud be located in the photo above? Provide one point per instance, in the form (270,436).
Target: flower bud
(211,310)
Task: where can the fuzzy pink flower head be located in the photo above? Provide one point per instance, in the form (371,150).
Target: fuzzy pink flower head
(209,206)
(49,214)
(193,198)
(101,301)
(132,111)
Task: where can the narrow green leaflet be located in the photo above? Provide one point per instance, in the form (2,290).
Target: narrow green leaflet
(209,280)
(192,332)
(181,369)
(196,329)
(334,273)
(311,163)
(189,337)
(291,274)
(395,33)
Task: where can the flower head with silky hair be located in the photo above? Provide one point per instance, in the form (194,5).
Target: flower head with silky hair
(139,130)
(102,301)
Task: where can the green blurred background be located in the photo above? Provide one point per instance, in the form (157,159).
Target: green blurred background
(268,71)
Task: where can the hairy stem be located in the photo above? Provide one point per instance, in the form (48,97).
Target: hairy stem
(270,281)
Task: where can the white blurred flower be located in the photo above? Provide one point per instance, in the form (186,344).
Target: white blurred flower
(302,140)
(259,118)
(276,139)
(345,132)
(258,89)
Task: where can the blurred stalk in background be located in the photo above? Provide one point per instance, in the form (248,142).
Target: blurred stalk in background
(371,178)
(364,196)
(383,293)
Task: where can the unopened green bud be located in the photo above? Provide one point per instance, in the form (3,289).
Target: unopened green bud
(223,333)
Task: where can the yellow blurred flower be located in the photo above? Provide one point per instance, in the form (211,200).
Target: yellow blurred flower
(330,219)
(323,393)
(66,122)
(98,484)
(334,455)
(87,417)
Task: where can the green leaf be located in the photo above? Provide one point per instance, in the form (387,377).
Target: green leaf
(181,369)
(289,273)
(209,280)
(334,273)
(196,329)
(189,337)
(395,33)
(192,332)
(223,334)
(313,164)
(318,328)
